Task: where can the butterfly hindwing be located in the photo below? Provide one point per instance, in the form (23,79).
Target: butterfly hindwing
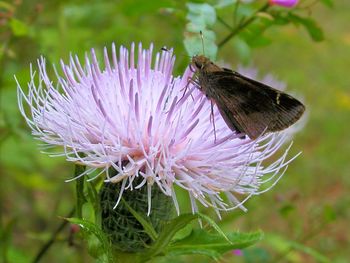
(249,106)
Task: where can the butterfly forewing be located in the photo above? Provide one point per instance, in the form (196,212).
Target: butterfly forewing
(248,106)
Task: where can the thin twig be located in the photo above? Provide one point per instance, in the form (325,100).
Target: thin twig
(242,25)
(235,13)
(50,242)
(224,23)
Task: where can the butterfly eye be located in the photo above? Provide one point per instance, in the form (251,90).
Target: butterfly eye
(198,64)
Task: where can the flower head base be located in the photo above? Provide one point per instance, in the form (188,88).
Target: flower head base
(284,3)
(134,118)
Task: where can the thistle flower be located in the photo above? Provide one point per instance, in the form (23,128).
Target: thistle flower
(136,119)
(284,3)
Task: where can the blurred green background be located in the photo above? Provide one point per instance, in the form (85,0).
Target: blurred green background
(305,217)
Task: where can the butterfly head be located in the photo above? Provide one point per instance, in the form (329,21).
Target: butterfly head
(204,64)
(200,62)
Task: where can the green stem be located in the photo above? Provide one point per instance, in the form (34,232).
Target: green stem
(79,169)
(242,25)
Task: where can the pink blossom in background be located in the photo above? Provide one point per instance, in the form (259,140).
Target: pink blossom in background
(130,115)
(237,252)
(285,3)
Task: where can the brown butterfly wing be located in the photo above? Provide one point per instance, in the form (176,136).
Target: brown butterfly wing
(249,106)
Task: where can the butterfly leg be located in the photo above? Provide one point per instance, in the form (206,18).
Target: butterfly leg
(189,81)
(212,118)
(192,69)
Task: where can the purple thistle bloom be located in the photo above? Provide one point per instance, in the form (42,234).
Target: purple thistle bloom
(284,3)
(134,118)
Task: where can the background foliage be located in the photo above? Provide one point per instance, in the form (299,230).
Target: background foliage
(305,217)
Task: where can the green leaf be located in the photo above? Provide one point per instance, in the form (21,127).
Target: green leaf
(245,11)
(242,48)
(224,3)
(6,237)
(194,45)
(213,225)
(18,27)
(279,19)
(169,231)
(135,8)
(168,235)
(259,41)
(213,245)
(90,228)
(329,214)
(7,6)
(286,209)
(17,254)
(328,3)
(310,25)
(147,226)
(254,36)
(265,15)
(183,233)
(201,14)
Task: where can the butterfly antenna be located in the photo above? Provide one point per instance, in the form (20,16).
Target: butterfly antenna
(202,39)
(168,50)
